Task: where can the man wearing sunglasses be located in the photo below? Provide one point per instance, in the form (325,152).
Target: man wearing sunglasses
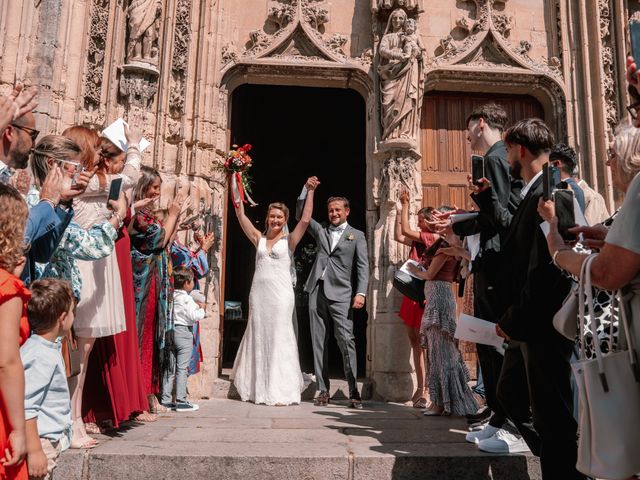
(47,221)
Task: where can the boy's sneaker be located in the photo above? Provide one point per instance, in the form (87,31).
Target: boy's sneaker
(487,432)
(186,407)
(503,442)
(169,406)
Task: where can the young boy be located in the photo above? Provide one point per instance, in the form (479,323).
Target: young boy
(47,401)
(186,312)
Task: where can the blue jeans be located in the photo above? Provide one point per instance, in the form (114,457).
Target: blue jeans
(181,356)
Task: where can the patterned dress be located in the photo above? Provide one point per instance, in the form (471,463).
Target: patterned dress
(447,375)
(77,243)
(153,290)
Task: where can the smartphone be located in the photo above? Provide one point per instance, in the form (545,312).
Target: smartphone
(634,33)
(114,189)
(477,168)
(550,180)
(565,211)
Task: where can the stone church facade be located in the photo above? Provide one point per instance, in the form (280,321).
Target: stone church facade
(419,66)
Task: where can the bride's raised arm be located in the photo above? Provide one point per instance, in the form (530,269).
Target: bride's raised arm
(307,212)
(247,227)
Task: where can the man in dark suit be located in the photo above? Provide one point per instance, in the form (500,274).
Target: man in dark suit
(342,251)
(485,126)
(535,289)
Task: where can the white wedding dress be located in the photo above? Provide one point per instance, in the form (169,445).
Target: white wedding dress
(267,367)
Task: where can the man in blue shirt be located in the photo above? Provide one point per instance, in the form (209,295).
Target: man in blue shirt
(48,220)
(564,157)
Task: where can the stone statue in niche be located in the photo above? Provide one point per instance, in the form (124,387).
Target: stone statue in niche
(144,29)
(389,4)
(401,72)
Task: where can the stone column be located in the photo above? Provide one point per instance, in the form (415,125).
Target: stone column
(399,74)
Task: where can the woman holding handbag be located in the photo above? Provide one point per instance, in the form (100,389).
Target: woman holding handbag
(615,267)
(410,310)
(447,373)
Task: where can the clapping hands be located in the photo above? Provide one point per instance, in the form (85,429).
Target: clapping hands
(16,104)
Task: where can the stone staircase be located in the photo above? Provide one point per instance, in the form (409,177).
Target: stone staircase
(228,439)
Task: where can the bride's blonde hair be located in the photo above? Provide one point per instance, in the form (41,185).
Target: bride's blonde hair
(277,206)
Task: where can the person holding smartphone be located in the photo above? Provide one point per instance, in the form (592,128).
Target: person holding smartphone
(485,126)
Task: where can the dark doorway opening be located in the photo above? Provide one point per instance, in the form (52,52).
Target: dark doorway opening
(296,132)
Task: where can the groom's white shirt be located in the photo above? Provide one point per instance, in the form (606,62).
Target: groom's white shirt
(336,232)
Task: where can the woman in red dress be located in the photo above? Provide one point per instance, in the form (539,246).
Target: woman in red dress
(14,330)
(410,311)
(113,389)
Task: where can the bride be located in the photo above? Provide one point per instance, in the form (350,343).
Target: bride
(267,367)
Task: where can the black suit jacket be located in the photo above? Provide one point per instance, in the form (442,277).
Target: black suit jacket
(532,287)
(505,195)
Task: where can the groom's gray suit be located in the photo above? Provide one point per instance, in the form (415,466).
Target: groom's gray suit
(331,293)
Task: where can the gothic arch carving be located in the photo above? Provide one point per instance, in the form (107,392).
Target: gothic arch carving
(298,40)
(487,61)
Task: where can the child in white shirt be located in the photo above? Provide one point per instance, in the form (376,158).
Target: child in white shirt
(186,312)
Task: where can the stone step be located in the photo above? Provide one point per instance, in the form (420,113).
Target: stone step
(228,439)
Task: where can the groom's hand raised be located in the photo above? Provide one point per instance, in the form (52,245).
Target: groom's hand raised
(312,183)
(358,302)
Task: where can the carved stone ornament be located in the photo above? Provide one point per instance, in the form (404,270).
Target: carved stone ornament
(180,60)
(400,170)
(298,38)
(138,85)
(409,5)
(143,28)
(93,80)
(608,65)
(486,44)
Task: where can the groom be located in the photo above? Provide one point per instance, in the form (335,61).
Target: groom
(342,250)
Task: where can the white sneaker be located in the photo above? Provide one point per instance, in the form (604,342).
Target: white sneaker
(503,442)
(487,432)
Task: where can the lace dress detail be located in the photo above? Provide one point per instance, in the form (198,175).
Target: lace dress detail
(267,367)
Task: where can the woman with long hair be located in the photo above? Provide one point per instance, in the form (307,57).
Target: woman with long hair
(447,374)
(411,311)
(113,388)
(150,239)
(267,368)
(100,312)
(15,331)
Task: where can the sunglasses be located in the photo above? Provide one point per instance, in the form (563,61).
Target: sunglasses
(633,109)
(33,133)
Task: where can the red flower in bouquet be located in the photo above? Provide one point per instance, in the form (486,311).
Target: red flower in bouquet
(235,166)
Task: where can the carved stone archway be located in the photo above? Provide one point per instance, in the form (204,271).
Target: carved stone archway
(487,61)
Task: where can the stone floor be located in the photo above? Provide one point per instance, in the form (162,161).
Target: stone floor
(228,439)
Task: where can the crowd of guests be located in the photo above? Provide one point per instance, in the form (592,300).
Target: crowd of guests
(518,276)
(99,300)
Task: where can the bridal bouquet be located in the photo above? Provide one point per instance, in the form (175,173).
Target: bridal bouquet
(235,167)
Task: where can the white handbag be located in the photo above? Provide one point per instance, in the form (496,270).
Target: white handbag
(609,391)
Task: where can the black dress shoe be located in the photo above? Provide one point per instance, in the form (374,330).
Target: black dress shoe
(322,400)
(480,415)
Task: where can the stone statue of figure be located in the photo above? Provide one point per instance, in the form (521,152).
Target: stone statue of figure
(401,78)
(389,4)
(144,27)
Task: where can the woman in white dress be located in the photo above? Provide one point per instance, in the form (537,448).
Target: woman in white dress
(267,367)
